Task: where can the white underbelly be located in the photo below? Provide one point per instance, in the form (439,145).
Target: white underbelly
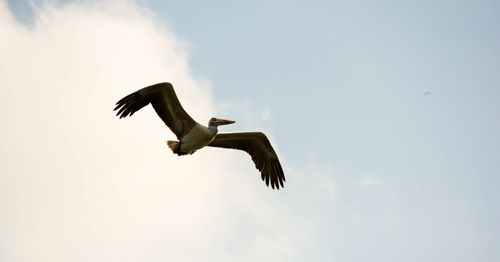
(197,138)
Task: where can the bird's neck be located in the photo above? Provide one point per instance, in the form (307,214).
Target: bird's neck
(212,130)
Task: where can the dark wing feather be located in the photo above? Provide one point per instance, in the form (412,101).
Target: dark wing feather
(166,104)
(258,146)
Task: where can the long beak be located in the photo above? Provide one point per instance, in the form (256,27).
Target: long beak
(221,122)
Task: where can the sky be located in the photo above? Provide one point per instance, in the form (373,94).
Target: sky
(384,115)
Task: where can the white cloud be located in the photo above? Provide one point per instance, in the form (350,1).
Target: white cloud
(78,184)
(370,181)
(266,114)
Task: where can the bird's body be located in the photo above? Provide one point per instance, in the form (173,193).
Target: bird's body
(194,136)
(198,137)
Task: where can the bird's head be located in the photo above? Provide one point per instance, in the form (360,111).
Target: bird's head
(219,122)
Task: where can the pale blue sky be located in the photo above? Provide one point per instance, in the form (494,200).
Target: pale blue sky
(345,83)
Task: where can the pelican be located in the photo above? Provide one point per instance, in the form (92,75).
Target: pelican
(193,136)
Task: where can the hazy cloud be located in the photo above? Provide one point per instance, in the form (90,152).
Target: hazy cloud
(78,184)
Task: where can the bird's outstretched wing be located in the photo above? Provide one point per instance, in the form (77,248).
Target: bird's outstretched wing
(166,104)
(258,146)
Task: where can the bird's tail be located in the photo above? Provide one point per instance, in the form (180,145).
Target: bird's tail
(173,145)
(176,147)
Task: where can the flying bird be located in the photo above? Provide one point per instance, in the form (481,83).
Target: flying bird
(193,136)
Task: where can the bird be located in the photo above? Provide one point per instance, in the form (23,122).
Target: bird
(193,136)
